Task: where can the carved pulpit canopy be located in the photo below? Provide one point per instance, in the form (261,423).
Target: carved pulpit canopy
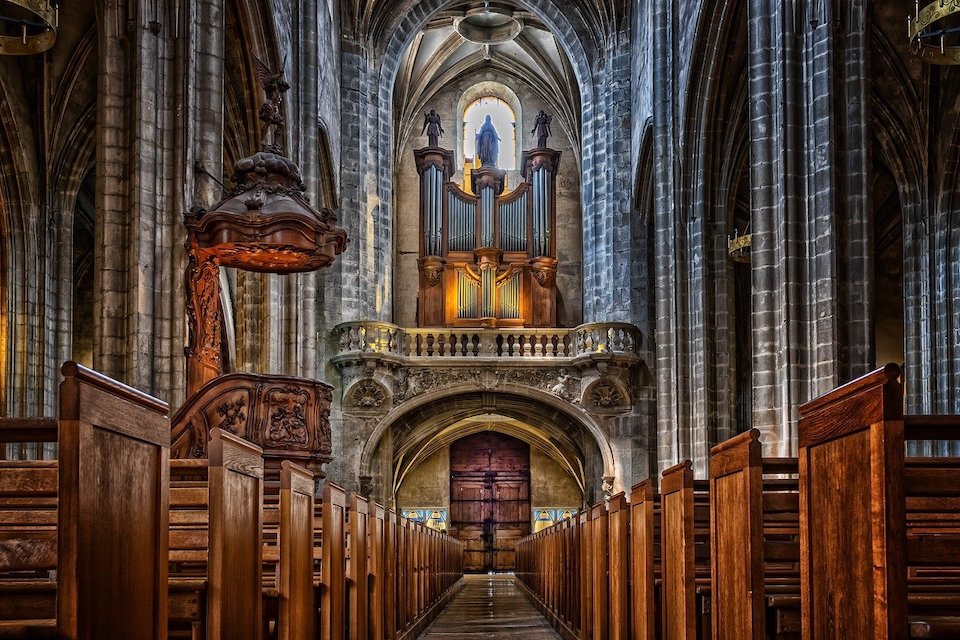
(266,223)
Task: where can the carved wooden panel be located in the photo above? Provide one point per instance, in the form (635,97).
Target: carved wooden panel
(287,417)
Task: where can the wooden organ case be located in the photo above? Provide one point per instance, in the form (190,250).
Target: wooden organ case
(487,258)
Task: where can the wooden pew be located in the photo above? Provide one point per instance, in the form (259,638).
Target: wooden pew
(618,567)
(860,554)
(684,604)
(215,541)
(109,492)
(357,574)
(334,579)
(644,556)
(754,531)
(678,600)
(296,576)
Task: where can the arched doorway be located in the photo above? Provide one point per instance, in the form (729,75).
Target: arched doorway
(489,498)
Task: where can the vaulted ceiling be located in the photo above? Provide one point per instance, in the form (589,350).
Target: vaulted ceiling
(528,54)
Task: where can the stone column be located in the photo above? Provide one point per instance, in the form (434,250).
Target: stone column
(136,127)
(777,221)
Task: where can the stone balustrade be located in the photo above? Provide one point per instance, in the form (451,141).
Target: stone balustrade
(601,339)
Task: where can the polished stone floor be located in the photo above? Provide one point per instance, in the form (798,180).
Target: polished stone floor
(490,606)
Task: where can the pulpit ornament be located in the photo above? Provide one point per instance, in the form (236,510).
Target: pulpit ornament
(288,421)
(274,125)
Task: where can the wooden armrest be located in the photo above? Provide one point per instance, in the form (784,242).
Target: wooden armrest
(188,584)
(783,601)
(28,629)
(15,430)
(935,627)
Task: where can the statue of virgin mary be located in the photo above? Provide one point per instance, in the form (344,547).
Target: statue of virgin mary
(488,144)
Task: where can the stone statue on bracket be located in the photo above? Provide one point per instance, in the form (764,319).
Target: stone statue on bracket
(541,127)
(488,144)
(431,124)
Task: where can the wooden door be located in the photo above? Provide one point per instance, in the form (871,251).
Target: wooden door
(489,498)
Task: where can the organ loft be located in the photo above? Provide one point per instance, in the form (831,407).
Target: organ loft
(415,319)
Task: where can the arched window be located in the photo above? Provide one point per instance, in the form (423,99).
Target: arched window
(503,119)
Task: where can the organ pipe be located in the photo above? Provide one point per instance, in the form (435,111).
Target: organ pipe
(486,216)
(488,291)
(463,220)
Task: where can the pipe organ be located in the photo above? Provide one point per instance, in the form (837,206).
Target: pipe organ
(487,258)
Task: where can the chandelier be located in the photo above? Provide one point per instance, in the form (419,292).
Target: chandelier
(930,42)
(28,26)
(739,245)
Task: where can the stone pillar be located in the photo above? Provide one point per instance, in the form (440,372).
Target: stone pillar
(137,196)
(672,407)
(777,221)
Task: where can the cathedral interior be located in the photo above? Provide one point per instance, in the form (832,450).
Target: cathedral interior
(488,264)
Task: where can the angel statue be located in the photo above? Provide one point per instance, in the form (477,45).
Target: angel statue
(274,85)
(431,124)
(541,127)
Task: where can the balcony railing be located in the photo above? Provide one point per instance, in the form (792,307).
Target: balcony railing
(587,340)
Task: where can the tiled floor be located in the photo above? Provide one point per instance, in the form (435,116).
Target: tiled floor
(490,606)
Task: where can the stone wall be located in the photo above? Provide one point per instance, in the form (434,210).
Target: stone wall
(550,484)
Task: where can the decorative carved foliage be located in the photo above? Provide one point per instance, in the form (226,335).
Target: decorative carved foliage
(205,318)
(233,414)
(367,394)
(414,381)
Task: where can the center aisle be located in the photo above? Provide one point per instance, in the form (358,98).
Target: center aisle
(490,606)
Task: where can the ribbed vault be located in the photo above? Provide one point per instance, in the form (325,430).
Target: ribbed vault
(439,54)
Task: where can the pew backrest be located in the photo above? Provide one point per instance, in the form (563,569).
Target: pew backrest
(297,612)
(114,452)
(234,602)
(333,569)
(678,602)
(736,538)
(852,510)
(642,578)
(357,568)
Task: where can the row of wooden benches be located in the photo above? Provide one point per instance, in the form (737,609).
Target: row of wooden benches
(851,539)
(115,540)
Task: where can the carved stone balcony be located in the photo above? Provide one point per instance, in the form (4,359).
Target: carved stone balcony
(383,365)
(616,341)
